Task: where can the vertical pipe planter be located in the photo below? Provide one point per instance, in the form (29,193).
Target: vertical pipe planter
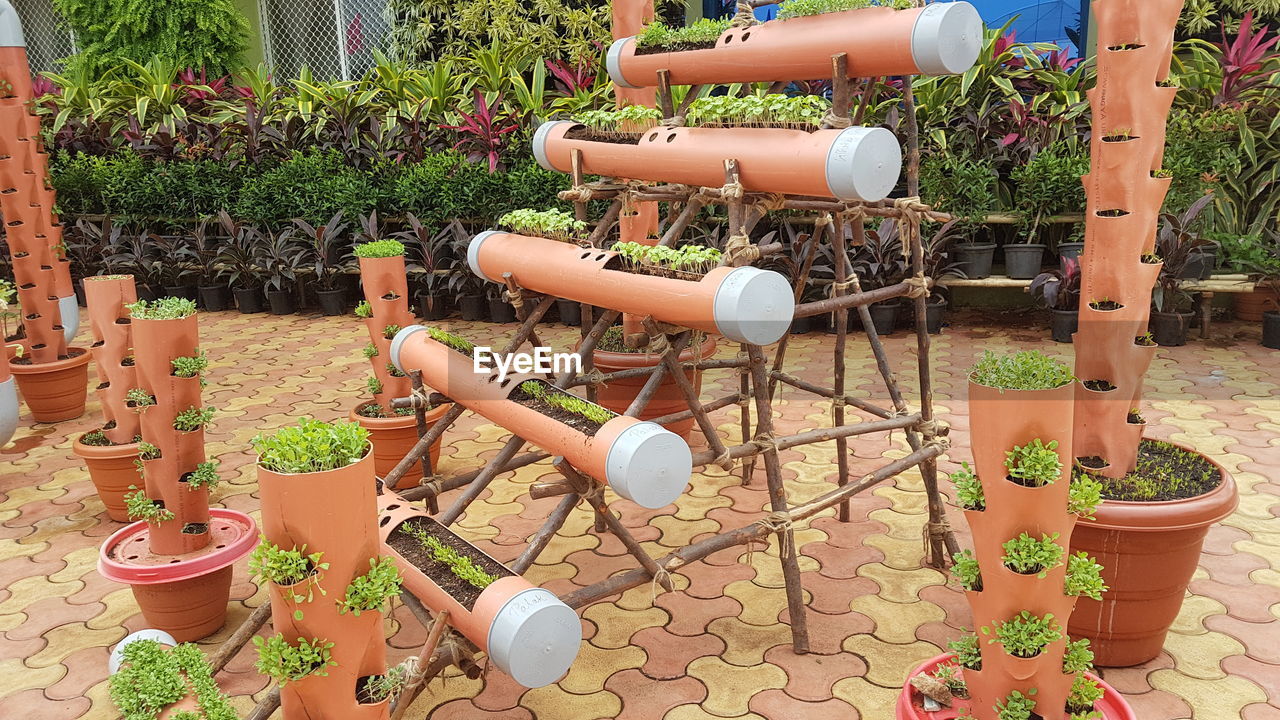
(178,561)
(111,466)
(527,631)
(331,512)
(855,163)
(745,304)
(938,39)
(641,461)
(386,291)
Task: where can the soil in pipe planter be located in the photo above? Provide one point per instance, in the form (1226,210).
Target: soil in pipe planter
(411,548)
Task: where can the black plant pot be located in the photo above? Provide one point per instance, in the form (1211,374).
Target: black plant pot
(1022,262)
(1170,329)
(1070,250)
(1064,324)
(145,292)
(975,259)
(1271,330)
(248,300)
(472,307)
(332,302)
(801,325)
(186,292)
(1200,264)
(215,298)
(570,312)
(827,322)
(501,311)
(884,317)
(281,302)
(431,307)
(934,315)
(79,286)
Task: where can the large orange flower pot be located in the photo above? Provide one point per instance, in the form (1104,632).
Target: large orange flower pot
(112,470)
(393,438)
(641,461)
(334,513)
(938,39)
(744,304)
(187,595)
(1148,551)
(617,395)
(527,631)
(55,391)
(856,163)
(1250,306)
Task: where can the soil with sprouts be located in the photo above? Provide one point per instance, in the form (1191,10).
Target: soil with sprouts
(587,134)
(583,425)
(1165,472)
(412,549)
(676,47)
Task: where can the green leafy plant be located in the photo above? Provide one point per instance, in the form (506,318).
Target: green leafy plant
(394,371)
(1034,464)
(204,476)
(147,451)
(665,261)
(96,438)
(379,249)
(372,590)
(1078,657)
(364,310)
(568,403)
(966,570)
(1084,695)
(288,569)
(1026,370)
(801,112)
(189,367)
(151,678)
(390,331)
(1085,494)
(209,34)
(968,489)
(967,651)
(701,33)
(949,674)
(193,419)
(369,351)
(312,446)
(1029,556)
(139,398)
(169,308)
(552,224)
(802,8)
(141,507)
(1026,635)
(458,564)
(448,339)
(1016,706)
(1048,185)
(373,385)
(383,687)
(625,121)
(1084,577)
(286,663)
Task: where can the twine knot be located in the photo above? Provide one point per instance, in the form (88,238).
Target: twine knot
(745,16)
(765,442)
(919,286)
(581,193)
(725,461)
(732,191)
(838,122)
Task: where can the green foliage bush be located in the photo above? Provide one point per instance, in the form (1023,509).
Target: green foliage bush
(1049,185)
(1026,370)
(151,678)
(210,34)
(313,186)
(424,30)
(658,34)
(966,187)
(379,249)
(801,8)
(169,308)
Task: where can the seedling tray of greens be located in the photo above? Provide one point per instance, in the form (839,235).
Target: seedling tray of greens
(585,417)
(455,565)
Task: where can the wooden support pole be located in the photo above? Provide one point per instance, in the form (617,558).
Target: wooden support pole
(670,359)
(857,299)
(240,637)
(802,281)
(426,658)
(841,263)
(818,435)
(538,542)
(491,470)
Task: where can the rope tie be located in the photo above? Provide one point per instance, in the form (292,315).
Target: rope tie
(920,286)
(839,402)
(732,191)
(780,522)
(765,442)
(582,193)
(739,251)
(596,492)
(653,586)
(843,288)
(899,412)
(942,443)
(515,298)
(745,17)
(909,209)
(823,219)
(772,202)
(930,532)
(658,344)
(433,483)
(838,122)
(673,121)
(725,461)
(595,377)
(933,428)
(420,397)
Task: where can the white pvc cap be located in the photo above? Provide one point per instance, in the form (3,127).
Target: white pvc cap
(473,253)
(8,411)
(649,465)
(117,654)
(70,311)
(947,38)
(864,164)
(613,64)
(539,143)
(398,342)
(534,638)
(10,26)
(754,306)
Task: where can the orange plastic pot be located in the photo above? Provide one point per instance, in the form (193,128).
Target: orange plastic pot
(55,391)
(618,395)
(527,631)
(939,39)
(1148,552)
(1251,306)
(856,163)
(641,461)
(186,596)
(744,304)
(112,470)
(334,513)
(106,297)
(394,437)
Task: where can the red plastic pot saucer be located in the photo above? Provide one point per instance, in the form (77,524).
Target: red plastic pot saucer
(909,707)
(126,556)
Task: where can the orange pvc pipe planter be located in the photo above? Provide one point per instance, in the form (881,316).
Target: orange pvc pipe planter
(746,304)
(938,39)
(334,513)
(641,461)
(1000,421)
(527,631)
(855,163)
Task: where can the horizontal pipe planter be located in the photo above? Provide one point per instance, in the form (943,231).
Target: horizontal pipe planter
(641,461)
(855,163)
(527,631)
(939,39)
(746,304)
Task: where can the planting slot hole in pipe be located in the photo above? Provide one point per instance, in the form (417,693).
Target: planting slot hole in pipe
(1115,213)
(1127,47)
(1101,386)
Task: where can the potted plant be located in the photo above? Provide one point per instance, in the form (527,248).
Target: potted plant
(281,258)
(880,262)
(238,263)
(205,246)
(324,245)
(938,266)
(1175,245)
(526,631)
(431,258)
(1259,258)
(1048,185)
(174,260)
(321,561)
(967,187)
(179,582)
(154,679)
(1059,290)
(111,451)
(500,308)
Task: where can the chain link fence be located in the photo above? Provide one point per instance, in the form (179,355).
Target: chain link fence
(334,38)
(48,40)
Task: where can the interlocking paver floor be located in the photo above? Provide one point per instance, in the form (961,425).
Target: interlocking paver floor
(718,648)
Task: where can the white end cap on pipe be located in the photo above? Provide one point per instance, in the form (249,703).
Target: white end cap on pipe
(398,342)
(947,38)
(649,465)
(117,654)
(864,164)
(10,26)
(8,411)
(539,144)
(613,64)
(754,306)
(534,638)
(473,254)
(70,311)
